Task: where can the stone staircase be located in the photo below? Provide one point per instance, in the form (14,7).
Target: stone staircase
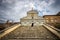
(30,33)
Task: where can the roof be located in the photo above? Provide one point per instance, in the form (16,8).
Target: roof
(58,13)
(51,15)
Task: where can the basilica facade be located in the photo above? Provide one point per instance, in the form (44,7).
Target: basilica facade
(32,19)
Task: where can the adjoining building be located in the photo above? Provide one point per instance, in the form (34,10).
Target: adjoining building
(52,18)
(32,19)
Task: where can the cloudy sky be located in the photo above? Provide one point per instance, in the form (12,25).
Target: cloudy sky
(15,9)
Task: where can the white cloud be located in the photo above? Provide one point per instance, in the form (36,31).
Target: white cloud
(19,8)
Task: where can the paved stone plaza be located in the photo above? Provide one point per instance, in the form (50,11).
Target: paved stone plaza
(30,33)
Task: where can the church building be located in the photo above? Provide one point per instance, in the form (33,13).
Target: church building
(32,19)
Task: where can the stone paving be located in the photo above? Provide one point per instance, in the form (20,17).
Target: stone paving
(30,33)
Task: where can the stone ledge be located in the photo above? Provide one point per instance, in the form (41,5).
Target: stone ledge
(52,30)
(9,30)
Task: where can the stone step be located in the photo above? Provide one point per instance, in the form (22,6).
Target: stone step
(30,33)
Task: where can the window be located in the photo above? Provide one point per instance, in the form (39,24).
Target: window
(32,17)
(52,20)
(47,20)
(32,14)
(55,20)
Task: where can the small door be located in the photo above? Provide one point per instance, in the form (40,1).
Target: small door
(32,24)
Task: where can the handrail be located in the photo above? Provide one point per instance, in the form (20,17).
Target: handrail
(53,27)
(8,30)
(52,30)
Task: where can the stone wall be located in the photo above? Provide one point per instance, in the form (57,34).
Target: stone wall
(52,19)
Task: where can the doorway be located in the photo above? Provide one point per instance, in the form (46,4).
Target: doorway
(32,24)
